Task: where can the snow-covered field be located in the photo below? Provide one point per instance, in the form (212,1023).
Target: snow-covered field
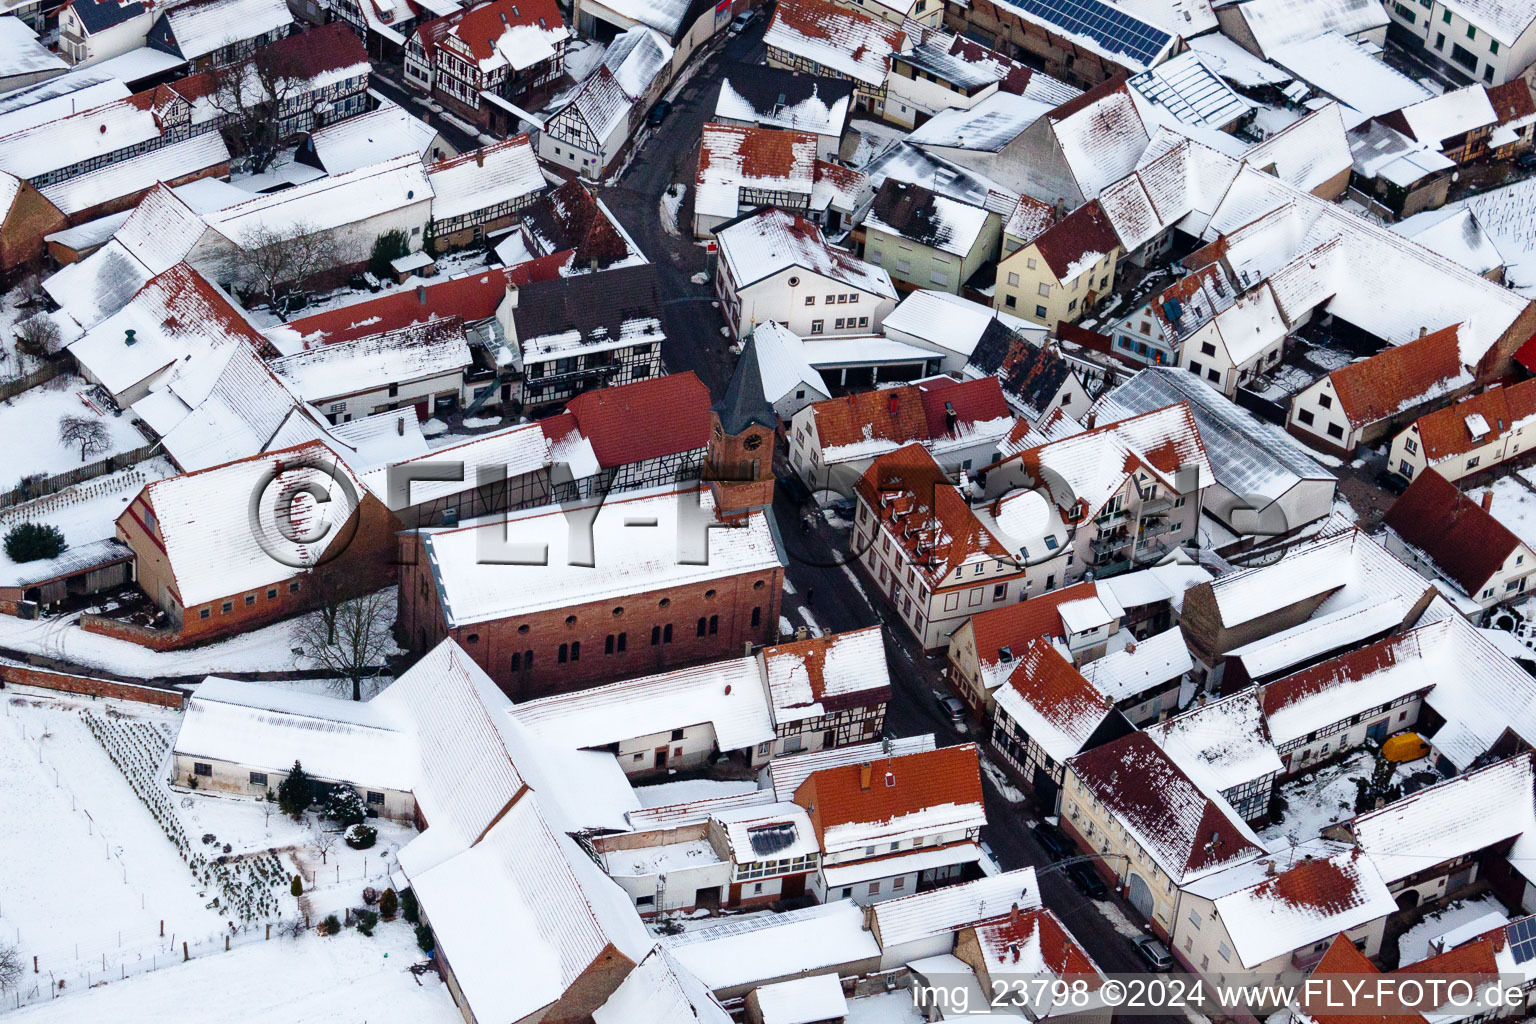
(308,980)
(35,415)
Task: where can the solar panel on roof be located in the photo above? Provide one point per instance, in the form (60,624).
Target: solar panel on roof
(1522,939)
(770,839)
(1116,30)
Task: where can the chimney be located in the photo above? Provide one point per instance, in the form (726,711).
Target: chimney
(801,632)
(1423,331)
(748,652)
(1487,500)
(1061,208)
(1013,914)
(128,338)
(400,426)
(511,296)
(890,780)
(421,294)
(866,770)
(1269,869)
(893,403)
(480,157)
(951,421)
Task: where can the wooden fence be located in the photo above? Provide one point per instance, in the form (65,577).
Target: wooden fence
(38,487)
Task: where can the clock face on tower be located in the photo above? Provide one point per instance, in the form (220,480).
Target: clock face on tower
(752,443)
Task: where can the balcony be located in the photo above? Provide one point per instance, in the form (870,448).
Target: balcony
(1157,505)
(560,379)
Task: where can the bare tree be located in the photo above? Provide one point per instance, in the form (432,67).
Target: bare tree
(325,842)
(38,336)
(251,98)
(11,967)
(89,433)
(270,262)
(351,638)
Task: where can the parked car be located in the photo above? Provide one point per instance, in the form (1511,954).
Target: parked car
(1526,161)
(1391,482)
(1088,881)
(1154,952)
(1055,841)
(951,707)
(742,20)
(658,113)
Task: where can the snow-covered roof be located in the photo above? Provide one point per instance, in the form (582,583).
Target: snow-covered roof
(631,560)
(1222,745)
(220,414)
(129,177)
(1248,456)
(1457,234)
(1139,666)
(742,822)
(1180,185)
(727,695)
(178,326)
(1505,20)
(919,215)
(1308,152)
(1294,899)
(501,34)
(802,1000)
(271,727)
(1320,635)
(1446,116)
(786,773)
(661,991)
(842,41)
(949,322)
(894,798)
(949,909)
(370,138)
(825,674)
(1086,470)
(1380,151)
(1189,90)
(986,127)
(1051,702)
(207,526)
(733,157)
(1278,23)
(503,172)
(1189,832)
(1101,135)
(665,16)
(1359,271)
(366,364)
(22,54)
(774,240)
(203,26)
(810,111)
(72,137)
(1350,73)
(906,162)
(1235,64)
(327,203)
(519,450)
(813,940)
(1450,819)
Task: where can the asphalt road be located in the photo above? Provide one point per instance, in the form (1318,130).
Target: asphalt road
(823,592)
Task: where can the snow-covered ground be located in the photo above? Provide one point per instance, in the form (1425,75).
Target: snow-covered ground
(1326,796)
(456,264)
(885,1008)
(117,869)
(35,414)
(87,511)
(261,650)
(664,793)
(1514,503)
(308,980)
(1413,945)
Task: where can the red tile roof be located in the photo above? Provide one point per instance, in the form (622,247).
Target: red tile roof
(1390,381)
(773,154)
(897,786)
(972,401)
(1039,931)
(812,654)
(1466,543)
(1525,355)
(895,414)
(644,420)
(1015,625)
(1089,98)
(570,218)
(480,27)
(1445,432)
(1176,822)
(1343,958)
(909,493)
(1350,667)
(1511,101)
(1057,691)
(1081,233)
(470,298)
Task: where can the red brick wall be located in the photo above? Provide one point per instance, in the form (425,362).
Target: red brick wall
(84,684)
(154,639)
(493,644)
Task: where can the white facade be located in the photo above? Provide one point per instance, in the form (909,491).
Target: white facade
(1470,46)
(800,299)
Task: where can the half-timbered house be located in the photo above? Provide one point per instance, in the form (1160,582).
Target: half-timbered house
(589,127)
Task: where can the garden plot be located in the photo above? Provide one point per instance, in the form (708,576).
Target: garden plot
(35,415)
(1325,797)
